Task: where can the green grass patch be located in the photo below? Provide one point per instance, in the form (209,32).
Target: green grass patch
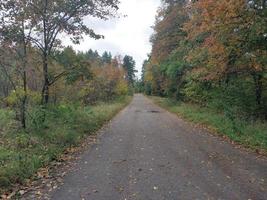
(251,134)
(22,153)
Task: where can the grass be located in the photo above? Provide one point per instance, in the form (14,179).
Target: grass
(22,153)
(250,134)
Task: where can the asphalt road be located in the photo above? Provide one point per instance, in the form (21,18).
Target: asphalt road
(147,153)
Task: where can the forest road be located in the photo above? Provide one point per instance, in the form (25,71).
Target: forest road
(147,153)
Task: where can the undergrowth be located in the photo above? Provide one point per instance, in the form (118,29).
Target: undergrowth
(251,134)
(49,133)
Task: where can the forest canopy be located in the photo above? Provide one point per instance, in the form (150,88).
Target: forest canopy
(212,53)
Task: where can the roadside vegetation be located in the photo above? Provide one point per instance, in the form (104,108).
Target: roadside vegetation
(210,59)
(51,96)
(23,152)
(251,134)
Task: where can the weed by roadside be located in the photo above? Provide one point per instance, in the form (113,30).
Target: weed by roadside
(22,153)
(251,134)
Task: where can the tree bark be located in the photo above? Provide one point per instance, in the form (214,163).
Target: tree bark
(24,101)
(45,90)
(258,91)
(24,77)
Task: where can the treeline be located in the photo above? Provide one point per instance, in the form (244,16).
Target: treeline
(212,53)
(84,77)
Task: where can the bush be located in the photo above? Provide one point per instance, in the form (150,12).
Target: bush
(6,120)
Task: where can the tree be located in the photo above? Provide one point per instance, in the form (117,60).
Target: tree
(15,35)
(166,66)
(211,53)
(106,57)
(76,66)
(129,66)
(50,18)
(234,43)
(168,30)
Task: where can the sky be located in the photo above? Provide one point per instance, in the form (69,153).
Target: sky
(125,35)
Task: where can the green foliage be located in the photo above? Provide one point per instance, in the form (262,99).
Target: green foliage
(15,96)
(252,134)
(102,90)
(129,66)
(89,78)
(121,89)
(196,92)
(49,90)
(6,117)
(106,57)
(7,121)
(225,96)
(76,65)
(200,55)
(65,125)
(148,89)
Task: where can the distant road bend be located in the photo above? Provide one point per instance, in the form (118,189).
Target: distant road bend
(147,153)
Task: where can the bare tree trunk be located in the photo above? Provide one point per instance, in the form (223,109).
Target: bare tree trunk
(45,91)
(24,77)
(24,101)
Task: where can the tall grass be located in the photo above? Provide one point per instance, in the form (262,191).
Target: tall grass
(252,134)
(23,152)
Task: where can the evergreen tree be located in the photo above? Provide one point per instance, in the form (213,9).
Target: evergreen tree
(129,66)
(106,57)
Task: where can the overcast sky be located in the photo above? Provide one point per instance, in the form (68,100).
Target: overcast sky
(127,35)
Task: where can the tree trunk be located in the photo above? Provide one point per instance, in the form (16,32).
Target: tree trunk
(264,4)
(45,91)
(24,98)
(258,91)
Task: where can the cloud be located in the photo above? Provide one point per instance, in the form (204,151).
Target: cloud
(125,35)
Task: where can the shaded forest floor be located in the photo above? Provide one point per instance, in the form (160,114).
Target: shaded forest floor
(249,134)
(22,153)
